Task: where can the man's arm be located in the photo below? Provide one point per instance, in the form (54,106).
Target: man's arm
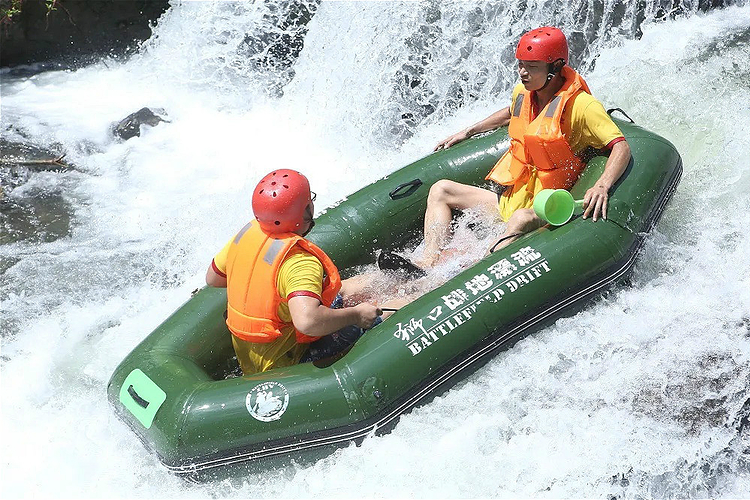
(215,279)
(595,200)
(216,274)
(497,119)
(316,320)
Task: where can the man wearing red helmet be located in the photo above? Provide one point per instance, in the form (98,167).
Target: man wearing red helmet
(553,121)
(280,287)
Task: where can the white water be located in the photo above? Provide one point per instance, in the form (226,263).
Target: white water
(639,395)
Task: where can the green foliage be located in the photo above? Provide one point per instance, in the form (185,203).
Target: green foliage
(9,9)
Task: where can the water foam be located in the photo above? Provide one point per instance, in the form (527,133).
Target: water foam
(638,395)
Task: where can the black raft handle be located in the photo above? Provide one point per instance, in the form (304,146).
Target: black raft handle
(141,402)
(412,187)
(609,112)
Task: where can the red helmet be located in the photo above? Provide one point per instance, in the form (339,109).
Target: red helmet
(543,44)
(280,200)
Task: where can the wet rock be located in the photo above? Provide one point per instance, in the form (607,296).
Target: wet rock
(130,126)
(29,210)
(698,397)
(76,32)
(744,417)
(274,48)
(622,478)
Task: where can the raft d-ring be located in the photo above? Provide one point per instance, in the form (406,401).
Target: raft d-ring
(374,390)
(410,186)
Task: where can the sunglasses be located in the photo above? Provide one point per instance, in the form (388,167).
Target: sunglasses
(313,196)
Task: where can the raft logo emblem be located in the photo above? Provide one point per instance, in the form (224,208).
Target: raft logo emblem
(267,401)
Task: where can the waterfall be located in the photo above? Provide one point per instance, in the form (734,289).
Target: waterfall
(642,394)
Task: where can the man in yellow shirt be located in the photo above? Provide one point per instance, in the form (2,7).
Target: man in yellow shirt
(284,294)
(556,104)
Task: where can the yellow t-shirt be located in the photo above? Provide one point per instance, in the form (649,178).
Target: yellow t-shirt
(584,123)
(300,271)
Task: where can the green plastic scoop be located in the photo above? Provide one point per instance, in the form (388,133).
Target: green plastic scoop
(556,206)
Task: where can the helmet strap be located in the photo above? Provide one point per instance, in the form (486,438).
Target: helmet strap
(312,225)
(552,70)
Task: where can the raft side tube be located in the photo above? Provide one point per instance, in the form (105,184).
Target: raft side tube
(483,299)
(367,217)
(307,399)
(634,196)
(177,378)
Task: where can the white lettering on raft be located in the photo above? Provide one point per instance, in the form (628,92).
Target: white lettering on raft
(405,332)
(501,278)
(443,328)
(527,276)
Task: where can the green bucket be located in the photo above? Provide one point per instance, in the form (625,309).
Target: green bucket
(556,206)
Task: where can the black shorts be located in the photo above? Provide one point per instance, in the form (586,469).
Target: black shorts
(332,344)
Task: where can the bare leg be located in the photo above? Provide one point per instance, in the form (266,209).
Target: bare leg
(353,290)
(522,221)
(396,304)
(445,196)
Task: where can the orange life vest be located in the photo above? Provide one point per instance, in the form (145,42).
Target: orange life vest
(253,262)
(538,144)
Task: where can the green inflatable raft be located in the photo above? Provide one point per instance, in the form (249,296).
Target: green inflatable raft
(173,389)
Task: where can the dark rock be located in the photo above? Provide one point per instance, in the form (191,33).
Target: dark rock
(130,126)
(31,212)
(76,32)
(744,417)
(273,49)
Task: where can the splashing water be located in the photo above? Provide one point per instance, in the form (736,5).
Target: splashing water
(640,395)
